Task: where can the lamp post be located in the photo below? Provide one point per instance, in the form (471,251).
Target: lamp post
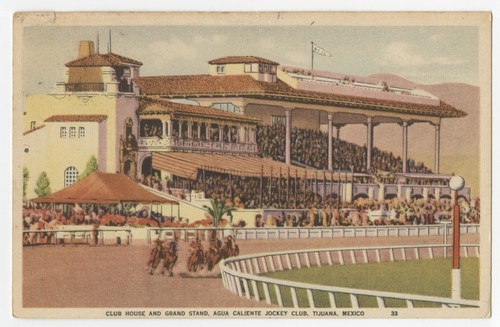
(456,184)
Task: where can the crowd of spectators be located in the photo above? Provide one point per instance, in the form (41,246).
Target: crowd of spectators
(310,148)
(365,212)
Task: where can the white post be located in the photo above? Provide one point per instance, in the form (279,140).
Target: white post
(405,146)
(288,139)
(330,142)
(369,143)
(437,148)
(456,282)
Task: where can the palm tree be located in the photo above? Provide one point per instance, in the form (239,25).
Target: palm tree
(217,210)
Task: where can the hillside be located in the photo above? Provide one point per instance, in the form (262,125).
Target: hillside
(459,137)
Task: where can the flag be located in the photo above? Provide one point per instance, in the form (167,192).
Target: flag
(320,51)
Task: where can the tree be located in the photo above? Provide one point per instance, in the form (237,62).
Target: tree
(42,185)
(26,177)
(90,168)
(217,210)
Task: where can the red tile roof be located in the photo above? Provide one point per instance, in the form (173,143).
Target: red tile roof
(247,86)
(100,60)
(241,60)
(149,106)
(77,118)
(34,129)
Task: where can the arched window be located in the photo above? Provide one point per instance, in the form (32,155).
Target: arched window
(70,176)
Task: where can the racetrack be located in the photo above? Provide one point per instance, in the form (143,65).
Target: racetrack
(82,276)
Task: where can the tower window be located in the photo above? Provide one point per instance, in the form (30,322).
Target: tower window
(81,132)
(72,132)
(63,132)
(33,124)
(220,69)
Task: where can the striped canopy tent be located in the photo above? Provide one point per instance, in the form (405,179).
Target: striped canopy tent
(103,188)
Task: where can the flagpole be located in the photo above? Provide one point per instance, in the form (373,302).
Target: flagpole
(312,57)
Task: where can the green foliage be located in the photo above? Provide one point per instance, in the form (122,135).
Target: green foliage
(90,168)
(26,177)
(217,210)
(43,185)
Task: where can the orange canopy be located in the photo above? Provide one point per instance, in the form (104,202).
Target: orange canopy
(103,188)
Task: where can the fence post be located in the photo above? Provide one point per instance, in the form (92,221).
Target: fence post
(354,301)
(380,302)
(245,286)
(264,264)
(294,297)
(297,259)
(256,265)
(310,298)
(318,260)
(331,297)
(255,291)
(288,262)
(306,258)
(278,295)
(266,292)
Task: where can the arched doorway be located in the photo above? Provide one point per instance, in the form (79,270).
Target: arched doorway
(147,167)
(127,168)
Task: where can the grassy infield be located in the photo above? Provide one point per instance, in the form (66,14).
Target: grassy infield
(423,277)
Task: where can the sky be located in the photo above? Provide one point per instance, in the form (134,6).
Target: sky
(426,55)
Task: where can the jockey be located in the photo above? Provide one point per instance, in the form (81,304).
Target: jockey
(157,242)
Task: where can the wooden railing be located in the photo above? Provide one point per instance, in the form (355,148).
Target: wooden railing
(240,275)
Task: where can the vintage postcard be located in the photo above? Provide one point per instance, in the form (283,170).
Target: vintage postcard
(252,165)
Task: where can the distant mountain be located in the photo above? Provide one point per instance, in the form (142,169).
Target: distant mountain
(460,137)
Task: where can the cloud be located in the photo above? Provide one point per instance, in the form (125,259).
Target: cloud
(402,54)
(295,58)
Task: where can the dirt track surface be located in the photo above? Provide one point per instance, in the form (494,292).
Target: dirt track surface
(82,276)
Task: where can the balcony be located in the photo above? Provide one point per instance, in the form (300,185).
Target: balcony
(84,87)
(175,144)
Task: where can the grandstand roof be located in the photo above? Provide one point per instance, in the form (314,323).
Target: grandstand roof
(149,106)
(241,60)
(247,86)
(187,164)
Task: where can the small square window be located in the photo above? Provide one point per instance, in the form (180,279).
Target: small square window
(220,69)
(62,132)
(33,124)
(72,132)
(81,132)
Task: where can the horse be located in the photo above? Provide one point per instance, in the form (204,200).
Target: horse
(196,259)
(229,248)
(213,254)
(170,258)
(157,253)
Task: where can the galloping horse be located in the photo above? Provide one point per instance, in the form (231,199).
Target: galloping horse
(229,247)
(213,254)
(196,258)
(155,256)
(170,258)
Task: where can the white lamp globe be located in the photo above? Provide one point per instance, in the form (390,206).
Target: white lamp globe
(457,183)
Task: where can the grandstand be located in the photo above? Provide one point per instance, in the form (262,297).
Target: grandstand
(256,130)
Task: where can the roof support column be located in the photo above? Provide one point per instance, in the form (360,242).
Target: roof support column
(288,137)
(164,128)
(330,142)
(221,132)
(437,147)
(170,128)
(190,130)
(405,146)
(369,143)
